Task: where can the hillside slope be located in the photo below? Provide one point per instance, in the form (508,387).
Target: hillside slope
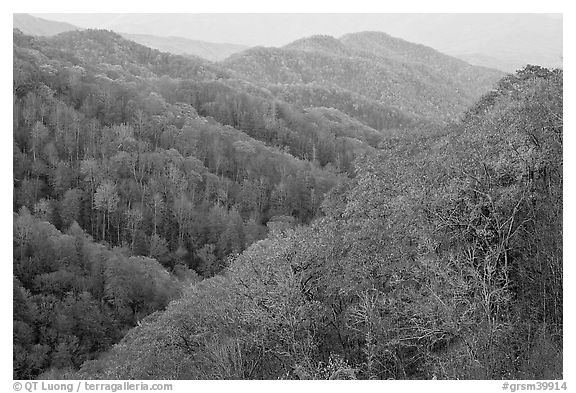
(182,46)
(118,177)
(32,25)
(392,283)
(397,74)
(259,228)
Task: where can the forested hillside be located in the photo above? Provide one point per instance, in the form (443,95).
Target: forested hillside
(178,218)
(108,140)
(398,75)
(441,259)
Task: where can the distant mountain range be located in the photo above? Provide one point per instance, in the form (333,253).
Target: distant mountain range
(177,45)
(392,72)
(31,25)
(183,46)
(381,81)
(503,41)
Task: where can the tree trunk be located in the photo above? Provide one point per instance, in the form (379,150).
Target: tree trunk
(104,227)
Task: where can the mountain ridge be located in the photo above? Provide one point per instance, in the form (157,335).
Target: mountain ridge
(513,39)
(397,73)
(212,51)
(32,25)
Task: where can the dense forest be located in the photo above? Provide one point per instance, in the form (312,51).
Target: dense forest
(276,216)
